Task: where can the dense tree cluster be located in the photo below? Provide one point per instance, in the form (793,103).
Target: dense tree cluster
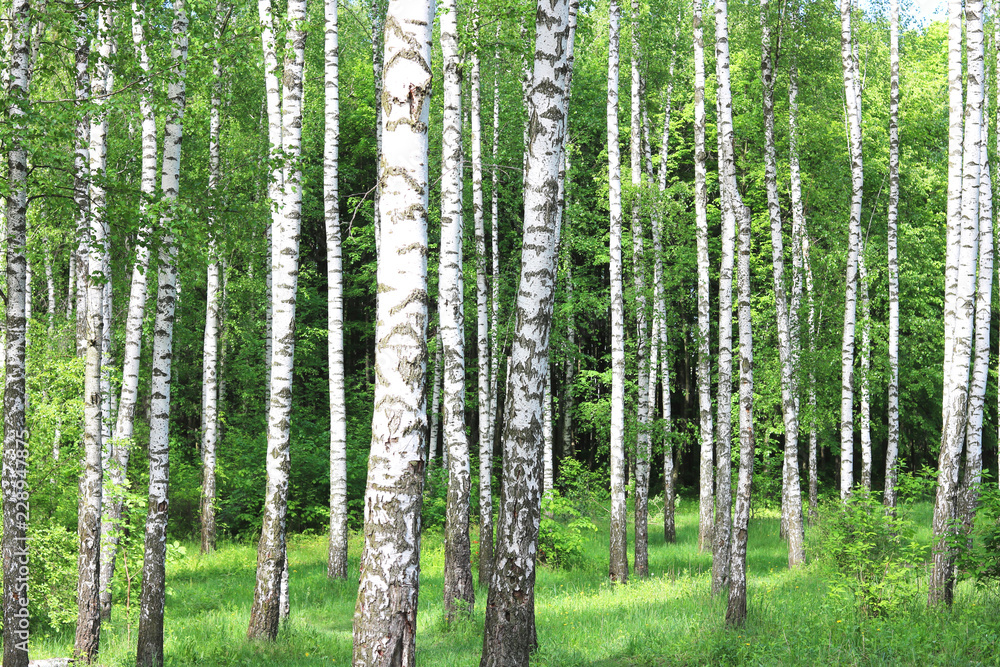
(392,245)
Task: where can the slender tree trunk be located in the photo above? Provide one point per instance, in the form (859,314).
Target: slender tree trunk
(660,338)
(736,610)
(385,618)
(853,121)
(643,445)
(436,402)
(954,209)
(482,312)
(731,210)
(865,379)
(336,567)
(377,12)
(960,320)
(892,445)
(121,442)
(459,592)
(509,634)
(968,499)
(150,637)
(15,452)
(619,537)
(210,363)
(266,611)
(791,492)
(495,276)
(705,498)
(88,624)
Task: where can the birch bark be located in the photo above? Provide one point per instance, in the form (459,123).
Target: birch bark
(961,320)
(88,624)
(509,635)
(459,593)
(892,444)
(706,476)
(731,209)
(660,338)
(121,441)
(336,567)
(266,611)
(864,362)
(15,453)
(483,352)
(619,538)
(386,612)
(791,493)
(972,473)
(149,652)
(210,343)
(643,445)
(853,121)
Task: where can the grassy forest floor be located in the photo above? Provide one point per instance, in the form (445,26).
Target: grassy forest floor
(801,617)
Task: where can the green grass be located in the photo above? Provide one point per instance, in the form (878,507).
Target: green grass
(667,619)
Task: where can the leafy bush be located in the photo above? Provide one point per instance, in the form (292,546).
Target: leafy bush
(435,507)
(560,533)
(582,486)
(982,561)
(52,576)
(872,549)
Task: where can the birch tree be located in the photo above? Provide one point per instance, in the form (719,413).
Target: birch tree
(337,560)
(385,618)
(619,536)
(892,213)
(972,473)
(853,122)
(483,352)
(705,497)
(458,589)
(509,635)
(15,452)
(121,442)
(791,494)
(210,344)
(88,624)
(865,362)
(960,320)
(286,218)
(643,445)
(149,652)
(733,211)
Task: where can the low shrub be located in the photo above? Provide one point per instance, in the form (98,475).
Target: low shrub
(872,549)
(560,533)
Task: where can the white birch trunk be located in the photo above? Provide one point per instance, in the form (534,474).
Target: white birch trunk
(791,492)
(956,383)
(736,610)
(619,538)
(88,624)
(892,444)
(731,209)
(15,454)
(853,121)
(336,567)
(150,636)
(495,266)
(50,289)
(660,322)
(436,402)
(385,618)
(459,593)
(705,498)
(266,611)
(509,635)
(377,12)
(865,379)
(972,473)
(955,185)
(643,445)
(121,442)
(482,312)
(210,361)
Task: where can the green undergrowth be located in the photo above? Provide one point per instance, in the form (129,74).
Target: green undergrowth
(795,617)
